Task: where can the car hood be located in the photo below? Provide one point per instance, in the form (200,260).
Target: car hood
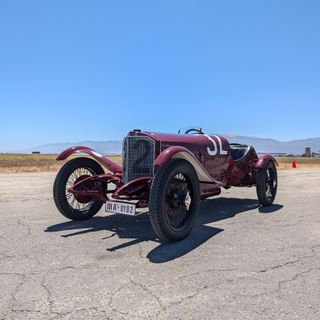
(174,139)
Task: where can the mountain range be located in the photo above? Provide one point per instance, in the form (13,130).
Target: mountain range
(106,147)
(262,145)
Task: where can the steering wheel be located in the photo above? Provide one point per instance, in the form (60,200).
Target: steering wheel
(194,130)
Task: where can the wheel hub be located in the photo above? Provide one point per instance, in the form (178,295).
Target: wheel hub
(80,197)
(179,200)
(271,183)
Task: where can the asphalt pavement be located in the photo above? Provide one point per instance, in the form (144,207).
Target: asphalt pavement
(240,262)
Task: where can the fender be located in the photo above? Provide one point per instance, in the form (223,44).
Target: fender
(106,162)
(179,152)
(264,160)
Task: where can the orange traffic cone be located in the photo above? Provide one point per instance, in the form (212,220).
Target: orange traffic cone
(294,164)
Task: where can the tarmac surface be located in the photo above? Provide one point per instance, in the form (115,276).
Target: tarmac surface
(240,262)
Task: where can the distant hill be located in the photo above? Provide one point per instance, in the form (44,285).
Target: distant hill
(275,146)
(107,147)
(261,145)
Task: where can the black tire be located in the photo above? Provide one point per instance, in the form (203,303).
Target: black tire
(267,184)
(165,199)
(60,186)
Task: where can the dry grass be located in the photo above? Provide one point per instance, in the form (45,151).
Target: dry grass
(10,163)
(285,163)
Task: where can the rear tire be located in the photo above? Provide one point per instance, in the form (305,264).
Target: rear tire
(267,184)
(174,200)
(61,196)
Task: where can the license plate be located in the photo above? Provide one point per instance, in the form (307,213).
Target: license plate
(121,207)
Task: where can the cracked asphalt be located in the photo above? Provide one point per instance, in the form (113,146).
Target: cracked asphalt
(240,262)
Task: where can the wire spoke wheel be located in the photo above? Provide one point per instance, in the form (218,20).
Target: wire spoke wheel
(178,201)
(174,200)
(72,205)
(82,205)
(267,184)
(271,183)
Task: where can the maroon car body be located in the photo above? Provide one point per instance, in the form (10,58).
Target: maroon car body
(217,164)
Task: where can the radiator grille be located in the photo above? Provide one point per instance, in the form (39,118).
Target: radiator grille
(138,157)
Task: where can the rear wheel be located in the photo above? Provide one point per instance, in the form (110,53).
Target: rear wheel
(71,206)
(174,200)
(267,184)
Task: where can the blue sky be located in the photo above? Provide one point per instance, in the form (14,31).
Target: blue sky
(80,70)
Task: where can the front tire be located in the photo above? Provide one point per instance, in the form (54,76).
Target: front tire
(174,200)
(69,206)
(267,184)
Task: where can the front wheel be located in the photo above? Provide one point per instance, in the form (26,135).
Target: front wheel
(71,206)
(267,184)
(174,200)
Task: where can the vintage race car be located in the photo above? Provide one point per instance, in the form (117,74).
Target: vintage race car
(165,174)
